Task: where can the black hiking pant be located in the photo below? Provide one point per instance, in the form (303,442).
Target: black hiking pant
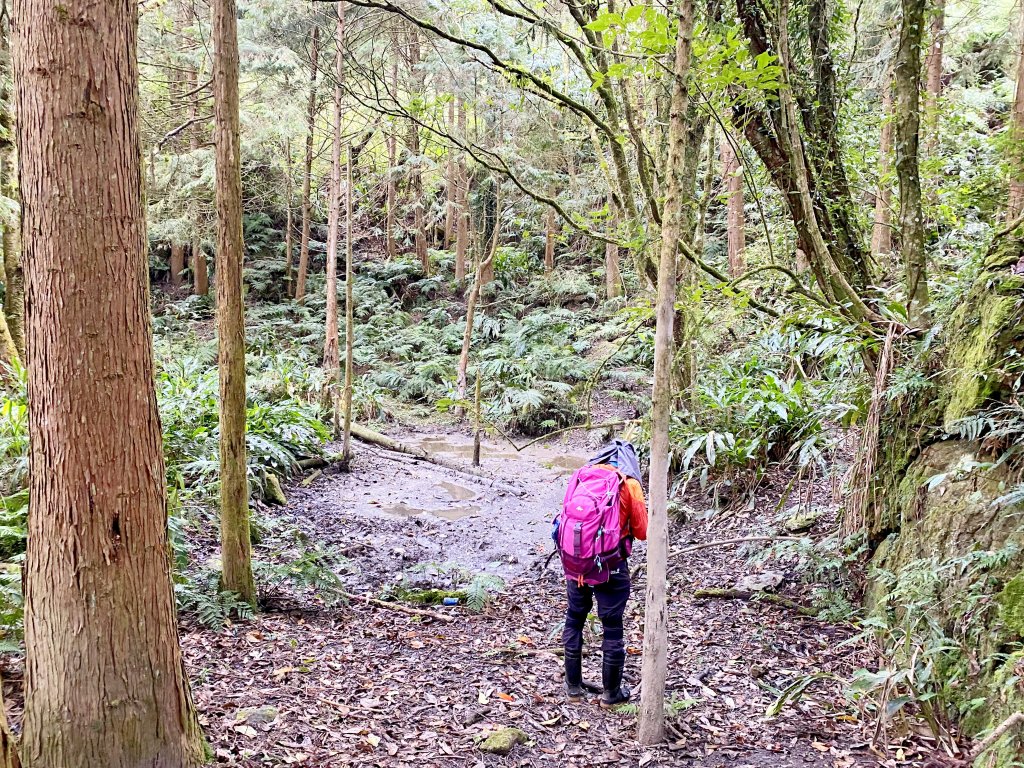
(611,605)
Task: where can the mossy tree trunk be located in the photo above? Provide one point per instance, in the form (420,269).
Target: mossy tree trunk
(104,682)
(236,547)
(907,125)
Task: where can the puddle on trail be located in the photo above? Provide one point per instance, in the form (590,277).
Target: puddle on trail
(448,513)
(458,492)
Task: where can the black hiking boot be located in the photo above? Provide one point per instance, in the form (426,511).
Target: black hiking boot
(574,675)
(615,692)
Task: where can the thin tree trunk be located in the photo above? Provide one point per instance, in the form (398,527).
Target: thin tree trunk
(881,231)
(933,70)
(236,548)
(487,275)
(451,184)
(332,357)
(392,187)
(907,121)
(549,242)
(612,275)
(651,719)
(289,219)
(732,173)
(350,327)
(200,273)
(416,173)
(462,377)
(13,333)
(104,683)
(1016,201)
(462,206)
(707,191)
(307,172)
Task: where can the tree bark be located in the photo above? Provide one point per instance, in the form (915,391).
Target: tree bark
(881,230)
(732,173)
(332,354)
(933,70)
(1016,201)
(549,242)
(177,263)
(12,335)
(307,171)
(907,120)
(652,702)
(236,548)
(104,683)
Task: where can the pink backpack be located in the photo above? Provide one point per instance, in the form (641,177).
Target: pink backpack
(588,532)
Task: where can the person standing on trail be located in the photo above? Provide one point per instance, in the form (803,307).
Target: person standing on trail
(602,513)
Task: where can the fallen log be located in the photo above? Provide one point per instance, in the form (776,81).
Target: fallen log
(764,597)
(1017,718)
(383,441)
(397,607)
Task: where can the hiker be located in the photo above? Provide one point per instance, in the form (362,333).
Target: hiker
(602,512)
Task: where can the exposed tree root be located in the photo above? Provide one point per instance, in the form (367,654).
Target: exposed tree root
(765,597)
(398,607)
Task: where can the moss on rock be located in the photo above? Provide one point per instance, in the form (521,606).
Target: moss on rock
(1011,605)
(504,741)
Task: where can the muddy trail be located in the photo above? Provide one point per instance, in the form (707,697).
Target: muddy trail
(316,684)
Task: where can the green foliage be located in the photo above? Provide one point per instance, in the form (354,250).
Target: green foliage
(773,401)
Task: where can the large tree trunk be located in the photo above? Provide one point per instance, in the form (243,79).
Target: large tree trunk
(307,169)
(104,683)
(655,657)
(732,173)
(881,230)
(1016,202)
(12,334)
(907,121)
(451,184)
(177,263)
(236,548)
(332,354)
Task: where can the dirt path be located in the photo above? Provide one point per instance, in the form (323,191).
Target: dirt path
(356,685)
